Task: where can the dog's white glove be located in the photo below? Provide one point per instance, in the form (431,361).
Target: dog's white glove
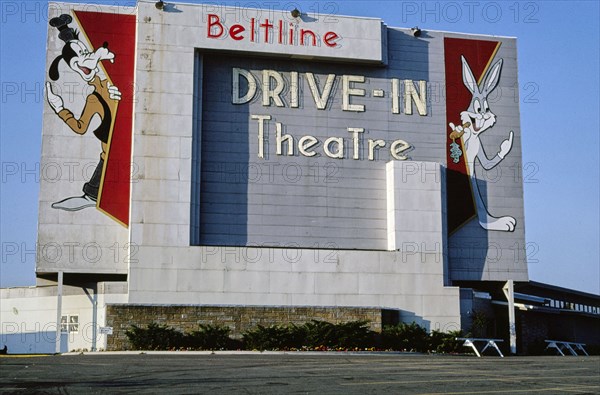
(55,101)
(506,146)
(113,92)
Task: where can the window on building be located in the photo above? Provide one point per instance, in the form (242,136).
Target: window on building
(69,323)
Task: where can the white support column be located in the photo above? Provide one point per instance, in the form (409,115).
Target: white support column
(93,298)
(95,318)
(509,292)
(59,310)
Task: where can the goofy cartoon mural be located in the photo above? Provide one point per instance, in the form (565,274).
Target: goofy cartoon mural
(101,102)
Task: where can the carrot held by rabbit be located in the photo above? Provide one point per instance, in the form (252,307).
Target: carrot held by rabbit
(457,133)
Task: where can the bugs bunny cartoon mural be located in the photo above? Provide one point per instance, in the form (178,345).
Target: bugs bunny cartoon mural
(475,120)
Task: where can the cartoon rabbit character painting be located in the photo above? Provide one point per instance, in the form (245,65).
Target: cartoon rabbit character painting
(101,103)
(476,119)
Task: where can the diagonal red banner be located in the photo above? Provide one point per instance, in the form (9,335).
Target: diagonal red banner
(117,33)
(479,54)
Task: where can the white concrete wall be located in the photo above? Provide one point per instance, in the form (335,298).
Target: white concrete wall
(28,318)
(415,204)
(407,280)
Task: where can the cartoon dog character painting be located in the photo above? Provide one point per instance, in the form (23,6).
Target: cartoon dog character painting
(100,103)
(475,120)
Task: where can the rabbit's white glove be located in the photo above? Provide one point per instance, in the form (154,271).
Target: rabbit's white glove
(55,101)
(506,146)
(113,92)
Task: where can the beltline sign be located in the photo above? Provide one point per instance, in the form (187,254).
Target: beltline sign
(272,84)
(357,40)
(267,31)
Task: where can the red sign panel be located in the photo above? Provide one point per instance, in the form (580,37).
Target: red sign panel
(479,55)
(117,33)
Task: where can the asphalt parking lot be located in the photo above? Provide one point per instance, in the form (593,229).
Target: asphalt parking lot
(327,373)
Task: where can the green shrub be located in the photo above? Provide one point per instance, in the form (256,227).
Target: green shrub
(347,335)
(405,337)
(296,336)
(442,342)
(274,337)
(314,335)
(320,334)
(354,335)
(209,337)
(161,337)
(436,339)
(155,337)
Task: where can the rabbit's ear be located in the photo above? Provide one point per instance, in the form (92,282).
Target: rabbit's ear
(493,77)
(468,79)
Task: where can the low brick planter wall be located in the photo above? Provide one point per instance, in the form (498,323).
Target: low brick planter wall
(186,318)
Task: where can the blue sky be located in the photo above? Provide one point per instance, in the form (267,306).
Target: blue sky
(558,54)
